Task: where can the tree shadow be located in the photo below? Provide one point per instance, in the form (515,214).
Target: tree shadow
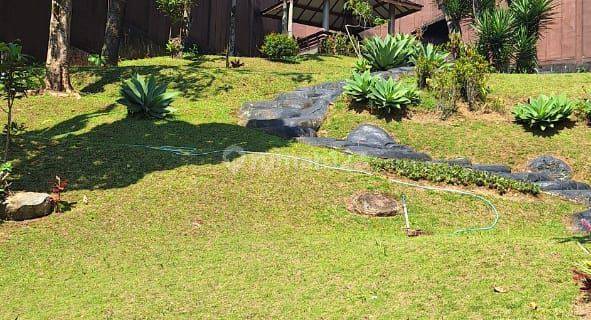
(118,154)
(190,79)
(549,132)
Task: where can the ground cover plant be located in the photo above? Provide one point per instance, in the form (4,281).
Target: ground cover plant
(169,236)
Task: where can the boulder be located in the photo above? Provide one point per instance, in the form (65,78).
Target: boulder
(374,204)
(577,223)
(492,168)
(554,167)
(27,205)
(371,136)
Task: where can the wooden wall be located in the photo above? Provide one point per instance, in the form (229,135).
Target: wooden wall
(30,23)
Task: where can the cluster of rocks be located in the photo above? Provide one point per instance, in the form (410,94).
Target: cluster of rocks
(299,113)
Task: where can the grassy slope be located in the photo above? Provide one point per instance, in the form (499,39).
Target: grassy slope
(165,236)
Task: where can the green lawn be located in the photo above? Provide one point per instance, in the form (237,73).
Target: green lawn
(165,236)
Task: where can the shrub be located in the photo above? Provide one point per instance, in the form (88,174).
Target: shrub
(17,75)
(447,92)
(97,60)
(471,71)
(454,175)
(389,94)
(337,44)
(359,86)
(142,95)
(586,109)
(544,112)
(427,60)
(280,47)
(388,53)
(174,47)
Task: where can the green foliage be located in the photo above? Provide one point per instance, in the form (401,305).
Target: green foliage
(533,15)
(5,172)
(447,92)
(544,112)
(496,32)
(17,75)
(143,95)
(586,109)
(280,47)
(337,44)
(97,60)
(174,47)
(191,52)
(363,11)
(427,61)
(362,65)
(389,95)
(174,9)
(507,36)
(454,175)
(390,52)
(455,11)
(359,86)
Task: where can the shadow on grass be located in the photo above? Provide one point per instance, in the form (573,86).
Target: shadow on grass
(116,155)
(549,132)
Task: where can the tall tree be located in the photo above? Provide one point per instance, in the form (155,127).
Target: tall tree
(110,50)
(179,12)
(232,39)
(58,49)
(284,18)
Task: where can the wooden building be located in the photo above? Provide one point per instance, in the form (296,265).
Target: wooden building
(146,30)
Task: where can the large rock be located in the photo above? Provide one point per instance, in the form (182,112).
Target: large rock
(27,205)
(577,223)
(374,204)
(554,167)
(371,136)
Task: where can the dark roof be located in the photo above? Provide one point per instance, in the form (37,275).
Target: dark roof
(309,12)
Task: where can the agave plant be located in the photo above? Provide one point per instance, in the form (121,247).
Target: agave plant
(359,86)
(427,61)
(362,65)
(495,30)
(387,53)
(544,112)
(389,94)
(142,94)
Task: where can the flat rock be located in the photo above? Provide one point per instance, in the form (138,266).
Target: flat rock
(370,135)
(493,168)
(579,196)
(374,204)
(553,166)
(27,205)
(527,176)
(401,152)
(461,162)
(563,185)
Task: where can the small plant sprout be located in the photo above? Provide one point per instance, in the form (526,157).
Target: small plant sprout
(58,186)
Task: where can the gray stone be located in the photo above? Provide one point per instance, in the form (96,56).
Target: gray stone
(579,196)
(370,135)
(374,204)
(563,185)
(323,142)
(27,205)
(527,176)
(576,221)
(493,168)
(398,152)
(461,162)
(556,168)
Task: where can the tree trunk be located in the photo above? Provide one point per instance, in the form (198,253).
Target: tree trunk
(186,26)
(232,46)
(284,17)
(8,128)
(110,49)
(58,74)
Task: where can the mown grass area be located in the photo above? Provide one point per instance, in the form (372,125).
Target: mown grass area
(166,236)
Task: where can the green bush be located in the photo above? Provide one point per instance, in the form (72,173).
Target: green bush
(337,44)
(388,95)
(390,52)
(143,95)
(454,175)
(586,109)
(174,47)
(359,86)
(427,60)
(544,112)
(280,47)
(97,60)
(472,72)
